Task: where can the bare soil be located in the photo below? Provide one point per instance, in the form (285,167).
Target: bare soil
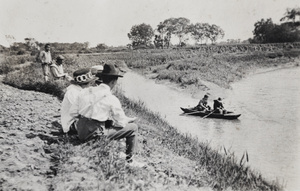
(25,138)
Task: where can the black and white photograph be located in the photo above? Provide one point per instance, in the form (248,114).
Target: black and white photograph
(151,95)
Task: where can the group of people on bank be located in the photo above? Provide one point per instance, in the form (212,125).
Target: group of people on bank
(217,107)
(53,67)
(89,108)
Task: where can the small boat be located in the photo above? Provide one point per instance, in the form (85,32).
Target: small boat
(228,115)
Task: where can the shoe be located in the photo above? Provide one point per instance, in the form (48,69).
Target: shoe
(136,164)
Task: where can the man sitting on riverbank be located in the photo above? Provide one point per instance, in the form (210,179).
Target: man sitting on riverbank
(82,79)
(57,69)
(99,110)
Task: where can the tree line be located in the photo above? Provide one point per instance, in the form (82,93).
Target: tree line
(142,34)
(265,31)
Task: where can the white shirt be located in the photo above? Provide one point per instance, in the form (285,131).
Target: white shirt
(57,70)
(70,98)
(100,104)
(45,57)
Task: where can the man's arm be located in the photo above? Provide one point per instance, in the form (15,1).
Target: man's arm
(55,72)
(118,114)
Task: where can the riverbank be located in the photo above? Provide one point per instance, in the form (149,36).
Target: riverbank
(213,75)
(174,161)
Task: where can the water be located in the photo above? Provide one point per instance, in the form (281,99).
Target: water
(269,128)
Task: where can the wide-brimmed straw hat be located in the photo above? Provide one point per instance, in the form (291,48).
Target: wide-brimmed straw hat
(83,76)
(110,70)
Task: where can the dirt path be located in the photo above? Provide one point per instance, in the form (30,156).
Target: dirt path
(25,138)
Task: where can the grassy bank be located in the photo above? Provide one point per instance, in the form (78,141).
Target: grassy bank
(174,161)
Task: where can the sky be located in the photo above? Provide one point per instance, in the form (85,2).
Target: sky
(109,21)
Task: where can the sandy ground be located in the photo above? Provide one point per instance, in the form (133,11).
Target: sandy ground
(25,138)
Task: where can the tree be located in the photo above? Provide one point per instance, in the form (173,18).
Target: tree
(176,26)
(215,32)
(263,30)
(141,35)
(291,14)
(197,31)
(101,46)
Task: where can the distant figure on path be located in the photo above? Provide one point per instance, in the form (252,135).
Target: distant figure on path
(202,105)
(57,69)
(218,106)
(46,60)
(82,79)
(100,112)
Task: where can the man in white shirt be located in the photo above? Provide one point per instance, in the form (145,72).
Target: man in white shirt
(57,69)
(82,79)
(98,107)
(46,60)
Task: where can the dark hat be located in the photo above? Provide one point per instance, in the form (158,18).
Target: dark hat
(83,76)
(219,99)
(110,70)
(205,96)
(60,57)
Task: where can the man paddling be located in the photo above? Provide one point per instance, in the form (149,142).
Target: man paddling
(202,105)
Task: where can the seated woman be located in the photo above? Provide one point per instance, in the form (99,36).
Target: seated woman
(202,105)
(57,69)
(218,106)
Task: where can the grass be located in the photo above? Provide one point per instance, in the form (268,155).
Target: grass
(175,161)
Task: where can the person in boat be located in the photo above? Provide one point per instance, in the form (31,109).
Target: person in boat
(57,69)
(203,104)
(218,106)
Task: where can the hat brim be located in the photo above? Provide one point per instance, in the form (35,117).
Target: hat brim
(116,75)
(85,82)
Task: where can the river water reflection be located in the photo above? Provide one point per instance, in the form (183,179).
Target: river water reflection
(269,128)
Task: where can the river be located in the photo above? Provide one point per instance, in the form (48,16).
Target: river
(268,129)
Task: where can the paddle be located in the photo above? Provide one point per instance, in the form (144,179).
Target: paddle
(208,114)
(193,112)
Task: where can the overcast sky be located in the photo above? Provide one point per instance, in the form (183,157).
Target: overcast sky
(109,21)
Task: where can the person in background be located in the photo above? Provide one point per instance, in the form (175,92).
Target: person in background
(46,60)
(82,78)
(100,112)
(57,69)
(218,106)
(202,105)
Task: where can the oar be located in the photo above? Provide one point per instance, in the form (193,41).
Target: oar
(193,112)
(208,114)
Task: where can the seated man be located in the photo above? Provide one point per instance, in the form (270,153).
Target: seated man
(218,106)
(57,69)
(202,105)
(82,79)
(97,108)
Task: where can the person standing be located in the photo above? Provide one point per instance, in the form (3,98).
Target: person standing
(57,69)
(46,60)
(82,78)
(99,110)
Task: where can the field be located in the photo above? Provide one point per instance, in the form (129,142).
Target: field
(174,161)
